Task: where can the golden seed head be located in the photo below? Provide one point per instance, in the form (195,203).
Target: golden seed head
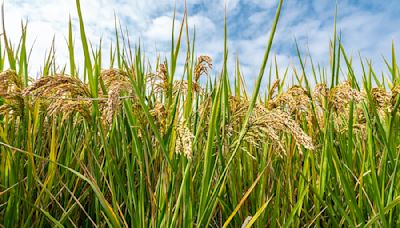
(265,123)
(321,90)
(182,86)
(111,75)
(162,70)
(295,99)
(57,86)
(159,80)
(10,84)
(341,95)
(10,90)
(113,104)
(395,92)
(382,99)
(163,76)
(204,63)
(184,140)
(68,108)
(116,82)
(160,115)
(274,88)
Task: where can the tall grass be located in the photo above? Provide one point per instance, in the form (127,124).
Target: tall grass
(128,146)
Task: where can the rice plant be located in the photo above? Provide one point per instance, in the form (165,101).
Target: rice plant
(129,145)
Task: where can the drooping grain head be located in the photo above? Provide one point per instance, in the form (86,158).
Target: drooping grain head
(320,92)
(117,82)
(295,99)
(113,103)
(395,93)
(163,71)
(159,80)
(341,95)
(273,88)
(159,113)
(10,90)
(112,75)
(184,140)
(68,108)
(281,121)
(266,124)
(381,99)
(204,63)
(57,86)
(10,84)
(182,86)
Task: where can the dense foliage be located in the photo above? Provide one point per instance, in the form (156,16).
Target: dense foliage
(133,146)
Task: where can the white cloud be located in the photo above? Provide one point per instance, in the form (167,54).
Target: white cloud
(230,4)
(265,4)
(204,25)
(160,29)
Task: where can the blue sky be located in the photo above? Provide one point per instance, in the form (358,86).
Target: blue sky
(367,27)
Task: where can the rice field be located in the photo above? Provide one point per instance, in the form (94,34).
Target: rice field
(133,145)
